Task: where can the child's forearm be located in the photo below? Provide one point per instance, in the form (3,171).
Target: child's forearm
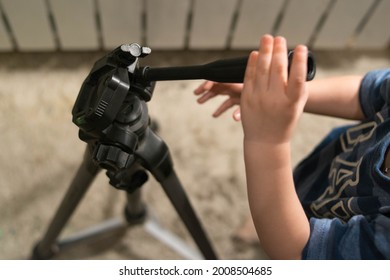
(280,221)
(336,97)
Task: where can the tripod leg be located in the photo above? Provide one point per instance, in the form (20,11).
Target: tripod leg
(136,211)
(156,158)
(47,247)
(180,201)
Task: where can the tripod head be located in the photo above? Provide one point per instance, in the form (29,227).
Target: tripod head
(110,109)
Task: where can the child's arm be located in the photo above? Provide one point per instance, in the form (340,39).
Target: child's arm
(332,96)
(270,109)
(336,97)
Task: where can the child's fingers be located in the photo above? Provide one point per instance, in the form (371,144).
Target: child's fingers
(250,72)
(208,95)
(227,104)
(203,87)
(298,72)
(264,62)
(237,114)
(279,64)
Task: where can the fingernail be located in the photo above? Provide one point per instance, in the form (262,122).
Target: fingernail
(237,116)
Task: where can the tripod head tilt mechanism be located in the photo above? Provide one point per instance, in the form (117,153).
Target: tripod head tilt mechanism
(111,110)
(111,113)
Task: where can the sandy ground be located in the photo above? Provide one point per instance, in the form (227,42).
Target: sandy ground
(40,152)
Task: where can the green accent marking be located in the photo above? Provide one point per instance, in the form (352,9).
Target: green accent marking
(80,120)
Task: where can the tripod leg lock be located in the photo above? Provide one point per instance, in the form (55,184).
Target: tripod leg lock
(112,157)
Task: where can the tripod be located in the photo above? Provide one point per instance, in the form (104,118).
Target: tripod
(112,115)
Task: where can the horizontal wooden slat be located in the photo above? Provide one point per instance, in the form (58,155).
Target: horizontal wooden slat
(76,24)
(48,25)
(341,24)
(121,22)
(300,20)
(376,33)
(29,21)
(211,23)
(166,23)
(255,18)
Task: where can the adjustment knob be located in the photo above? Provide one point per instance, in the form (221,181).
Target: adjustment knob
(112,158)
(136,50)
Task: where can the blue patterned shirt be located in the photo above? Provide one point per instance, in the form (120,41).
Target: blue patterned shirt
(342,187)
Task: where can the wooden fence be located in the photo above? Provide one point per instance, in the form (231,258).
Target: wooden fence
(69,25)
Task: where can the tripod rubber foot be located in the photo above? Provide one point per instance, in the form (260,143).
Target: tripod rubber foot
(38,255)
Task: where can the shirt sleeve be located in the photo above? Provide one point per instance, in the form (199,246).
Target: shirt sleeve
(375,91)
(360,238)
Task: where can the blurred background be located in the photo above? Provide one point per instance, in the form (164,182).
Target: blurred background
(47,48)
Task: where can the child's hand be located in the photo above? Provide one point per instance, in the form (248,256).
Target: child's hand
(272,102)
(208,90)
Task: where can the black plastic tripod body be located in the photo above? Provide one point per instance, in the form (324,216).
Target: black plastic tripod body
(133,178)
(114,122)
